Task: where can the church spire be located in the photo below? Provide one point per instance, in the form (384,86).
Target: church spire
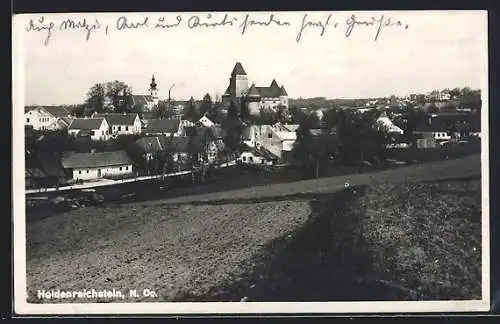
(153,83)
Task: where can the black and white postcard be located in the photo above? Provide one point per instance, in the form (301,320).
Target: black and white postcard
(251,162)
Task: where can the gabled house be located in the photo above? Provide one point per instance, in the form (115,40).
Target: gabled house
(95,165)
(48,118)
(95,128)
(279,143)
(205,121)
(122,124)
(167,127)
(259,156)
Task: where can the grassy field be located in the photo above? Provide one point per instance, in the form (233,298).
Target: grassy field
(394,235)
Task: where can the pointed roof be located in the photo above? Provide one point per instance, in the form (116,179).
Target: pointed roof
(153,82)
(228,91)
(283,91)
(253,92)
(238,69)
(274,84)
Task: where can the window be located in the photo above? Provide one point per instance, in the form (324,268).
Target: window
(87,171)
(262,161)
(27,120)
(120,168)
(126,128)
(92,133)
(250,158)
(79,171)
(126,168)
(244,158)
(119,128)
(40,120)
(269,135)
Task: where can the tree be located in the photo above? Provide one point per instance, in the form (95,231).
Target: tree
(119,94)
(330,118)
(297,115)
(361,137)
(410,125)
(163,110)
(206,105)
(266,117)
(455,93)
(233,129)
(282,114)
(309,151)
(190,111)
(95,98)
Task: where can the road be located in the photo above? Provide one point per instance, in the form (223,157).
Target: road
(463,167)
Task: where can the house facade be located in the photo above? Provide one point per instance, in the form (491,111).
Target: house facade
(95,128)
(48,118)
(205,121)
(258,156)
(122,124)
(91,166)
(279,143)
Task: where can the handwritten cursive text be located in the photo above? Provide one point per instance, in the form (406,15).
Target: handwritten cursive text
(271,20)
(81,24)
(195,21)
(122,23)
(320,24)
(379,23)
(163,24)
(40,26)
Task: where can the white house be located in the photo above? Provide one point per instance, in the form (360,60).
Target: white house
(91,166)
(279,143)
(259,156)
(205,121)
(96,128)
(48,118)
(122,124)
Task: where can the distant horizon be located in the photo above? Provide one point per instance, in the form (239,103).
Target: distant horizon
(437,50)
(289,98)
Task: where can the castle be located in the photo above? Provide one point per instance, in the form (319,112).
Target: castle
(254,97)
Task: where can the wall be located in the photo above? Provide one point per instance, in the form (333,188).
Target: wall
(254,108)
(92,173)
(288,145)
(441,136)
(270,103)
(273,144)
(245,158)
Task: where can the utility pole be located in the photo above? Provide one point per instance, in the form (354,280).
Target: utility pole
(169,98)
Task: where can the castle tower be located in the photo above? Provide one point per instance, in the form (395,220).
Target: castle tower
(238,83)
(153,90)
(283,97)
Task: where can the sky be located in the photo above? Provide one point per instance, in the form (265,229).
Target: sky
(428,50)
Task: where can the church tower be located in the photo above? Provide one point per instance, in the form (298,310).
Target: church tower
(153,90)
